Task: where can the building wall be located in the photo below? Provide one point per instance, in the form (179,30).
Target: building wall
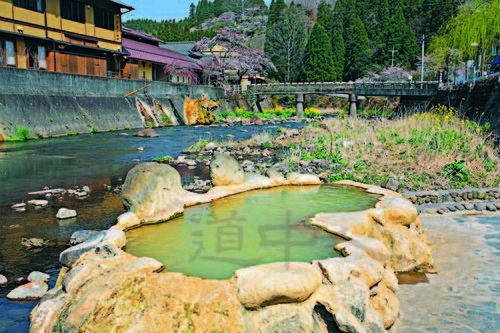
(145,70)
(32,23)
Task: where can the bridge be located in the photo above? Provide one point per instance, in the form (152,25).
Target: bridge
(424,89)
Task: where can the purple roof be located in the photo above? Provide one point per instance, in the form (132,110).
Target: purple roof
(148,52)
(140,34)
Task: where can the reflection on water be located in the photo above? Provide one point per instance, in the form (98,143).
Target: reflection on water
(214,240)
(66,162)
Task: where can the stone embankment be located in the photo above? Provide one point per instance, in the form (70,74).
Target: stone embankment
(107,289)
(472,200)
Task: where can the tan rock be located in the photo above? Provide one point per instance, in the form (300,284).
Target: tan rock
(153,192)
(395,211)
(274,283)
(374,248)
(387,304)
(225,170)
(276,177)
(127,221)
(29,292)
(295,178)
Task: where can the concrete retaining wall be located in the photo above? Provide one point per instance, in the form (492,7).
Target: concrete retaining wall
(480,103)
(51,103)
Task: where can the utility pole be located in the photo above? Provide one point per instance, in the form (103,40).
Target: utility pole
(392,60)
(422,69)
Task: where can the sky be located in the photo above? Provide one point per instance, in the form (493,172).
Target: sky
(159,9)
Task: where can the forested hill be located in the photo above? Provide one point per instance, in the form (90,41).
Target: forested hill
(350,37)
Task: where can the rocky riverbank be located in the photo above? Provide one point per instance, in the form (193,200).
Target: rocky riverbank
(354,293)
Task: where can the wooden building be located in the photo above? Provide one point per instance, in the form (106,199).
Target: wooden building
(146,60)
(70,36)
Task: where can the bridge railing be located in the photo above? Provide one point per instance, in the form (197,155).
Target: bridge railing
(352,86)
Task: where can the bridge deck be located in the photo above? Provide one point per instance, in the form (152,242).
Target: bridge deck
(417,89)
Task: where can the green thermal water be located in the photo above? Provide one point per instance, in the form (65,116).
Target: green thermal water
(213,240)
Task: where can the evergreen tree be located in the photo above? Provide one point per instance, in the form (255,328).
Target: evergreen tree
(276,9)
(357,45)
(192,14)
(318,59)
(333,28)
(218,7)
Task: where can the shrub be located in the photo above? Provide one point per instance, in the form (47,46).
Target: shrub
(111,129)
(70,133)
(128,127)
(166,119)
(312,113)
(94,129)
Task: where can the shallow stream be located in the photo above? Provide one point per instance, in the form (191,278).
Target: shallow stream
(94,160)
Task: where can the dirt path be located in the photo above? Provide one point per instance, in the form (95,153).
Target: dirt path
(465,295)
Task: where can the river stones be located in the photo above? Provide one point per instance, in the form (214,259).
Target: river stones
(38,277)
(110,237)
(82,236)
(35,243)
(147,132)
(28,292)
(273,283)
(3,280)
(38,203)
(295,178)
(225,170)
(153,192)
(395,210)
(65,213)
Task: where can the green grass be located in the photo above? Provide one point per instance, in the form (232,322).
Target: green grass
(127,127)
(22,134)
(71,133)
(112,129)
(162,159)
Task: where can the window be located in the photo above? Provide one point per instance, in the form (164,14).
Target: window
(10,52)
(35,5)
(104,19)
(42,57)
(73,10)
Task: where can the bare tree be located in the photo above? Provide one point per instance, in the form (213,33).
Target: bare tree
(288,38)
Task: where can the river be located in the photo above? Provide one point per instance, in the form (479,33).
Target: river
(94,160)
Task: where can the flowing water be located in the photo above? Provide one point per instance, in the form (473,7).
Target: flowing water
(257,227)
(94,160)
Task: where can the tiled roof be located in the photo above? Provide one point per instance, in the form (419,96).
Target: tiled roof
(140,34)
(147,52)
(181,47)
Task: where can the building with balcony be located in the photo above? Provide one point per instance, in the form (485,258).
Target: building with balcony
(69,36)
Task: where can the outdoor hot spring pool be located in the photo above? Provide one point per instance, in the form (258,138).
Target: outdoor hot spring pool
(213,240)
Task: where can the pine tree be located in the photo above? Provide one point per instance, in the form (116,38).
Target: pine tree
(192,14)
(276,9)
(357,44)
(318,61)
(218,7)
(333,28)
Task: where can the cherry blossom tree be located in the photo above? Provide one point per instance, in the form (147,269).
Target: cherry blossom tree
(230,53)
(175,68)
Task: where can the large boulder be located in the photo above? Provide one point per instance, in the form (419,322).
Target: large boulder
(3,280)
(276,177)
(225,170)
(153,191)
(280,318)
(302,179)
(109,290)
(281,282)
(395,210)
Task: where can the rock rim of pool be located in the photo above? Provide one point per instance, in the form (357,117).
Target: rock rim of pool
(107,289)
